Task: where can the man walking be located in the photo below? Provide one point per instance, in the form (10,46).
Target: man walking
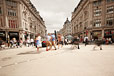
(86,40)
(53,41)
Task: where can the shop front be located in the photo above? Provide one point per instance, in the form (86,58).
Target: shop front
(14,35)
(32,36)
(109,34)
(3,35)
(97,34)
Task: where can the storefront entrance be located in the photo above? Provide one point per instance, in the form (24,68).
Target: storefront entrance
(97,34)
(3,35)
(14,35)
(109,34)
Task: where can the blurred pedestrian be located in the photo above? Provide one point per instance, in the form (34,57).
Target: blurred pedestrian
(53,39)
(32,41)
(110,41)
(21,42)
(62,40)
(66,41)
(98,43)
(86,40)
(107,41)
(48,42)
(75,42)
(59,41)
(14,42)
(38,42)
(28,42)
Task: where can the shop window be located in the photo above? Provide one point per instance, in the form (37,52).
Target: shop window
(13,24)
(110,9)
(110,21)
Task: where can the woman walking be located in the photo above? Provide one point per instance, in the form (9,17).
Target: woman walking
(38,42)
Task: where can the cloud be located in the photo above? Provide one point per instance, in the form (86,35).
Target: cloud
(55,12)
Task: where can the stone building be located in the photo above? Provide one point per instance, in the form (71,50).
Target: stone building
(66,30)
(94,18)
(20,19)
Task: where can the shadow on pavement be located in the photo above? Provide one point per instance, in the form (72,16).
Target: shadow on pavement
(95,50)
(30,52)
(6,58)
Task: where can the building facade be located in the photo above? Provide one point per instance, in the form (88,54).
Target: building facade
(66,30)
(20,19)
(94,18)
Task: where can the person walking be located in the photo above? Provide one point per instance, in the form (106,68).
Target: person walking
(86,40)
(48,42)
(38,42)
(62,40)
(75,42)
(107,41)
(14,42)
(20,42)
(66,41)
(98,43)
(32,41)
(28,42)
(59,41)
(53,41)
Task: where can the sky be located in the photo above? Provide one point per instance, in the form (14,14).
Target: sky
(55,12)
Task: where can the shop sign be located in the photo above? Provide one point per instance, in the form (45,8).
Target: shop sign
(13,34)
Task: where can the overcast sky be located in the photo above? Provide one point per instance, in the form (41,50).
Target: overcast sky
(55,12)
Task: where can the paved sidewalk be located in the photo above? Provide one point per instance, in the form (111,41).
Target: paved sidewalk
(62,62)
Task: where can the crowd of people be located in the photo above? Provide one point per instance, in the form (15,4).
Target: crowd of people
(51,40)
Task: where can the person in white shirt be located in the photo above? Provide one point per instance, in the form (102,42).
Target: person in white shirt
(28,42)
(32,41)
(86,40)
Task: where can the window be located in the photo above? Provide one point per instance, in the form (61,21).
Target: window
(0,10)
(13,24)
(1,22)
(97,12)
(110,21)
(11,3)
(97,23)
(110,9)
(109,1)
(11,12)
(97,3)
(1,2)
